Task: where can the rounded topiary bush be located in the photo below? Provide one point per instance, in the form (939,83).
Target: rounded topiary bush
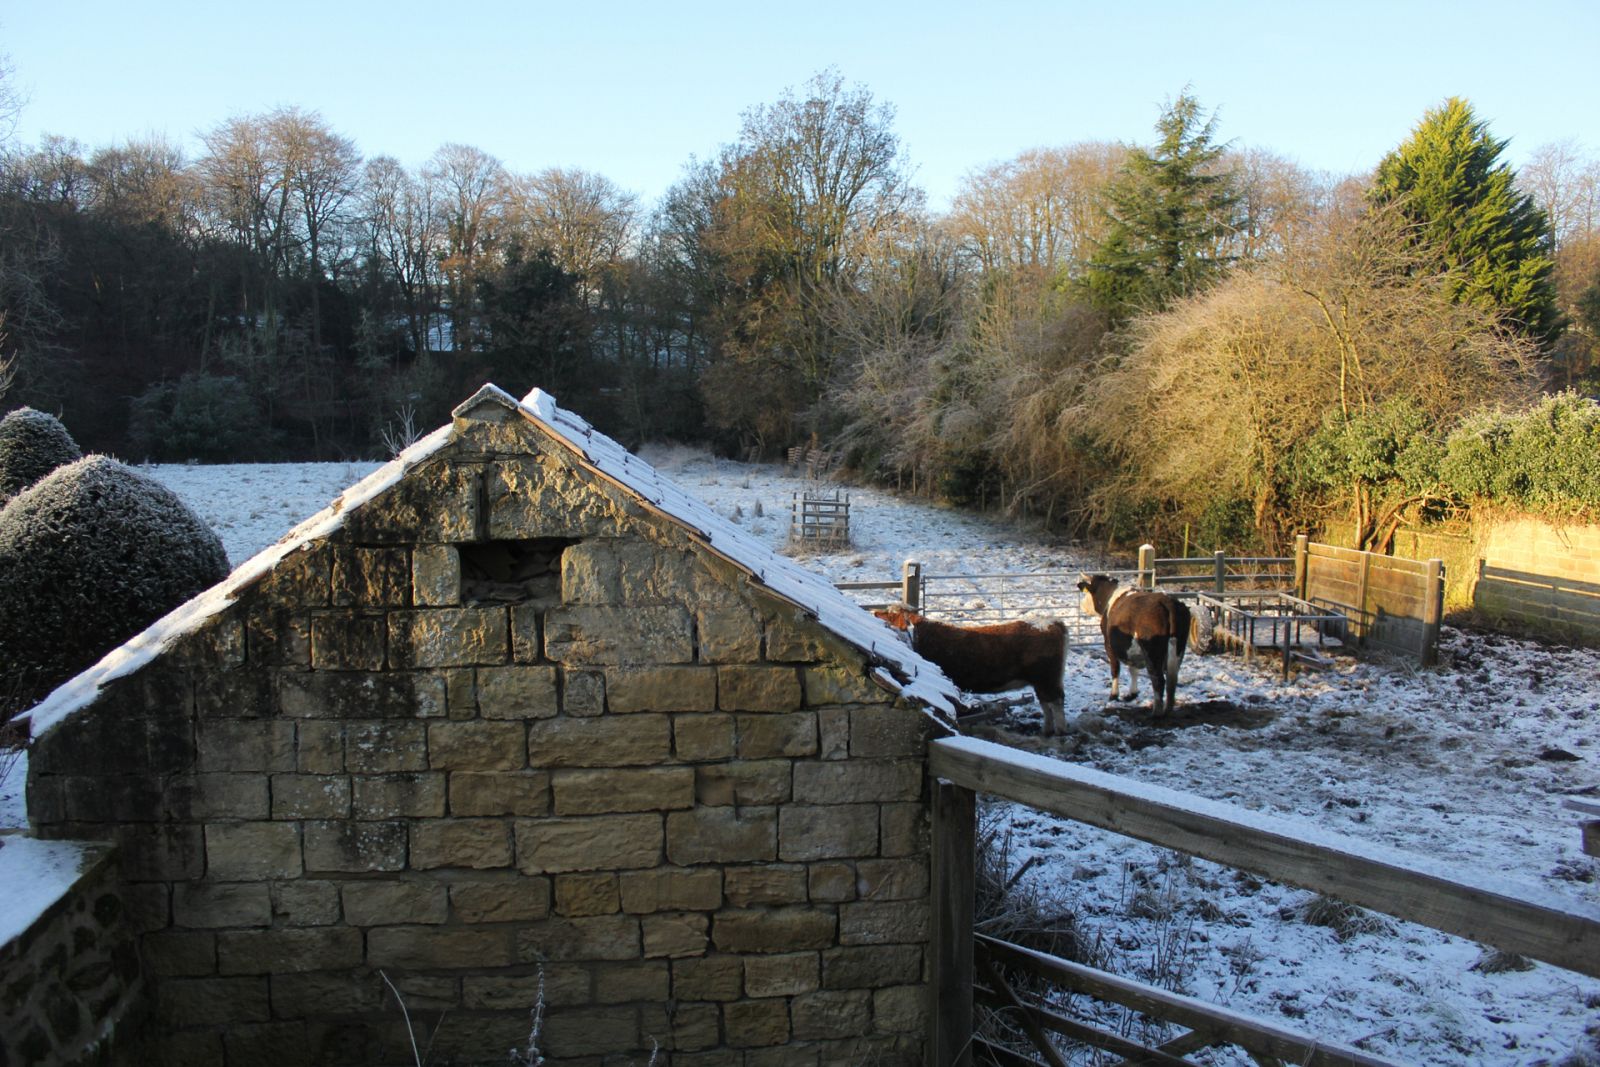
(32,444)
(88,557)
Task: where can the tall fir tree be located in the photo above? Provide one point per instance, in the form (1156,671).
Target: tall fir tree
(1495,242)
(1172,213)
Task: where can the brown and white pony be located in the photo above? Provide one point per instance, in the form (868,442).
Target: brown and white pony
(1157,621)
(993,658)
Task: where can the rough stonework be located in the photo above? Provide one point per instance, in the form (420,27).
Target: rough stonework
(510,732)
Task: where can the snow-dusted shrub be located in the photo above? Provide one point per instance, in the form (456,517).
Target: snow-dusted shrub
(88,557)
(32,444)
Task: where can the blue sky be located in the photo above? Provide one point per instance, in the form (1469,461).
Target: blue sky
(632,90)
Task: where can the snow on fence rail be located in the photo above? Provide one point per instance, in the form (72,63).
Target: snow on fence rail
(1540,925)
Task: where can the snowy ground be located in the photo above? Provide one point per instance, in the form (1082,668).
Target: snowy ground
(1467,764)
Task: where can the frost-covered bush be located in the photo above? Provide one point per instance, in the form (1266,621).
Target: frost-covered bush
(32,444)
(1541,459)
(88,557)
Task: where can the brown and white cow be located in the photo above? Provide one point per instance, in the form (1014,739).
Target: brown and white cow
(1158,621)
(993,658)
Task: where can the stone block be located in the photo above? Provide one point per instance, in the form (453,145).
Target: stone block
(721,836)
(857,781)
(729,635)
(310,796)
(622,571)
(436,576)
(838,685)
(246,745)
(831,883)
(602,937)
(499,793)
(505,900)
(606,635)
(674,935)
(305,903)
(744,782)
(871,966)
(592,1032)
(247,851)
(522,692)
(607,741)
(449,637)
(904,829)
(533,496)
(626,983)
(710,978)
(416,795)
(299,996)
(901,1010)
(592,843)
(448,948)
(221,904)
(527,632)
(318,748)
(513,992)
(770,736)
(831,1014)
(323,948)
(435,503)
(615,789)
(162,852)
(893,879)
(790,640)
(302,579)
(827,831)
(754,1023)
(583,693)
(235,694)
(671,889)
(385,747)
(833,729)
(355,847)
(479,844)
(758,688)
(476,746)
(350,695)
(697,738)
(278,636)
(892,732)
(773,930)
(657,688)
(347,642)
(582,895)
(461,692)
(212,1001)
(229,796)
(889,923)
(180,953)
(785,975)
(389,903)
(748,887)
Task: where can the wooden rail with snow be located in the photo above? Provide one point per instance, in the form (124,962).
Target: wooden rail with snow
(1528,922)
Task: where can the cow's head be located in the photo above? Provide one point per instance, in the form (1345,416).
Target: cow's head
(1097,590)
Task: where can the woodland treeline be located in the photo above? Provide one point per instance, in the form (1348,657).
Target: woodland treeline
(1121,339)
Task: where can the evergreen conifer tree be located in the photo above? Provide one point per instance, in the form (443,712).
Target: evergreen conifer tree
(1448,179)
(1172,213)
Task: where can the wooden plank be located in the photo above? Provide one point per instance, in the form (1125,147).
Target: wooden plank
(1023,1013)
(1540,925)
(1247,1031)
(954,905)
(1000,1055)
(1090,1035)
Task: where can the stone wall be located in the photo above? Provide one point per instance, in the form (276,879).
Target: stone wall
(70,989)
(508,735)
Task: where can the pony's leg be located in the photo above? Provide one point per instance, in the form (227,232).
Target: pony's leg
(1123,643)
(1116,667)
(1055,716)
(1155,655)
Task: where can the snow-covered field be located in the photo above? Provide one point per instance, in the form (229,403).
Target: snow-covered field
(1466,764)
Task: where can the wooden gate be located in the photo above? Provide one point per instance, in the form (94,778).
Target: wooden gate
(1548,928)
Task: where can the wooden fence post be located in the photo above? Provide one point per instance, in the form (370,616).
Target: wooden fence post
(955,836)
(911,584)
(1219,572)
(1432,612)
(1364,619)
(1302,565)
(1147,567)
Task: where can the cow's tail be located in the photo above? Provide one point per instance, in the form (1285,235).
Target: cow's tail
(1178,618)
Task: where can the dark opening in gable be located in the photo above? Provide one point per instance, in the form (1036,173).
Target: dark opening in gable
(512,571)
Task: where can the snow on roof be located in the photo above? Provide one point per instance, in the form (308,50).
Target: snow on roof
(898,668)
(36,874)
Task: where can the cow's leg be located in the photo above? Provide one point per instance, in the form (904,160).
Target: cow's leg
(1117,646)
(1155,654)
(1055,716)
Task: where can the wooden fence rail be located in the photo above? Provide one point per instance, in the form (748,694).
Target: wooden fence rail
(1528,922)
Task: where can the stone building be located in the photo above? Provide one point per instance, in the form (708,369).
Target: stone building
(514,724)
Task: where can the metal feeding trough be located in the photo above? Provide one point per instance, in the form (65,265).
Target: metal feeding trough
(1261,622)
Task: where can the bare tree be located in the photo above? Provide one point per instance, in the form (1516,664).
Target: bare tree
(319,176)
(583,218)
(468,191)
(146,182)
(1566,185)
(400,233)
